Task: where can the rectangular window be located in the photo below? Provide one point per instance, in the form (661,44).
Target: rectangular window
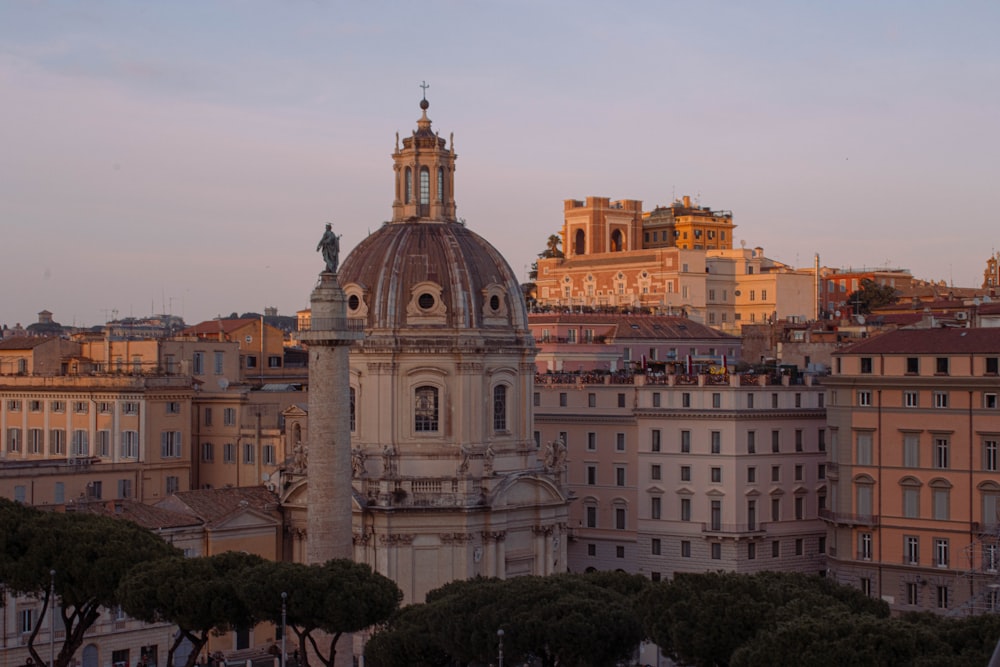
(654,472)
(992,365)
(775,442)
(620,442)
(655,444)
(130,408)
(685,509)
(20,493)
(912,594)
(750,401)
(798,440)
(173,408)
(249,452)
(911,549)
(716,475)
(130,445)
(57,406)
(941,452)
(821,545)
(911,450)
(591,441)
(685,442)
(536,399)
(716,441)
(864,398)
(620,518)
(799,546)
(940,504)
(619,476)
(799,510)
(591,517)
(621,400)
(124,488)
(80,445)
(591,400)
(103,443)
(685,400)
(864,448)
(798,473)
(13,440)
(685,473)
(774,400)
(229,416)
(716,550)
(940,552)
(251,361)
(942,597)
(911,502)
(229,453)
(60,493)
(199,363)
(207,452)
(655,547)
(775,549)
(685,549)
(170,444)
(776,473)
(35,406)
(14,405)
(866,365)
(990,401)
(941,365)
(80,407)
(912,366)
(990,455)
(911,399)
(751,442)
(864,546)
(591,549)
(57,441)
(654,507)
(95,490)
(268,454)
(775,509)
(820,471)
(940,399)
(716,400)
(656,399)
(563,398)
(26,621)
(751,475)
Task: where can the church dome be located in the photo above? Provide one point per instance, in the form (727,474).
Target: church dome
(424,268)
(431,275)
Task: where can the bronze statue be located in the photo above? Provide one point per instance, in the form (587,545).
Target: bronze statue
(329,245)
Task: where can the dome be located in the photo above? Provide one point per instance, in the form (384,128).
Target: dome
(428,275)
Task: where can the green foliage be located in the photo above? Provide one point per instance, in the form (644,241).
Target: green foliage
(336,597)
(552,248)
(871,295)
(199,595)
(90,555)
(552,618)
(702,619)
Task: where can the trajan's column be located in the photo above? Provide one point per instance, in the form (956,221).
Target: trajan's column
(329,338)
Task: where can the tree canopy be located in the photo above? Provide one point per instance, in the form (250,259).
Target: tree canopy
(200,595)
(89,555)
(549,618)
(871,295)
(338,597)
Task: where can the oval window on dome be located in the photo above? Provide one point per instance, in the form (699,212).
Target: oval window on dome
(353,302)
(495,302)
(426,301)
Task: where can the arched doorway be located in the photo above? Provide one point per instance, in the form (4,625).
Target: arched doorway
(617,241)
(90,656)
(579,243)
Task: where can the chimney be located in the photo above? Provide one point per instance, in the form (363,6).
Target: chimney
(687,201)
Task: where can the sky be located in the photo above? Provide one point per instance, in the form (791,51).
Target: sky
(183,156)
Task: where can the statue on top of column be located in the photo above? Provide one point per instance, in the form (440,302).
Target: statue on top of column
(329,245)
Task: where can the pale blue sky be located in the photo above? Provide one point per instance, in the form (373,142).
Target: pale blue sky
(184,156)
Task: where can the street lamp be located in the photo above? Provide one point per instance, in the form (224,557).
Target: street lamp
(284,600)
(500,635)
(52,618)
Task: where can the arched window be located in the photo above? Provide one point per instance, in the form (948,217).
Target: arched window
(425,186)
(353,412)
(579,243)
(440,188)
(500,408)
(616,240)
(408,186)
(425,409)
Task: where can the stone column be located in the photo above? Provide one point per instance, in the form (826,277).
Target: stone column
(329,459)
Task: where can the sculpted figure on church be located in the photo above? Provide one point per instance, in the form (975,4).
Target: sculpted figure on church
(488,456)
(357,462)
(300,458)
(329,245)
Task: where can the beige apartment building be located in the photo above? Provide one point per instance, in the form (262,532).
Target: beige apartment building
(688,473)
(914,423)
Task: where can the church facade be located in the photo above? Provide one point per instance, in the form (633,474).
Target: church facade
(447,479)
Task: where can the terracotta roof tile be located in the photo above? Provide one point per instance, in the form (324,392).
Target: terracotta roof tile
(212,504)
(930,341)
(25,342)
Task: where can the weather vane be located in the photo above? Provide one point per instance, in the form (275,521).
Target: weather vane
(425,86)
